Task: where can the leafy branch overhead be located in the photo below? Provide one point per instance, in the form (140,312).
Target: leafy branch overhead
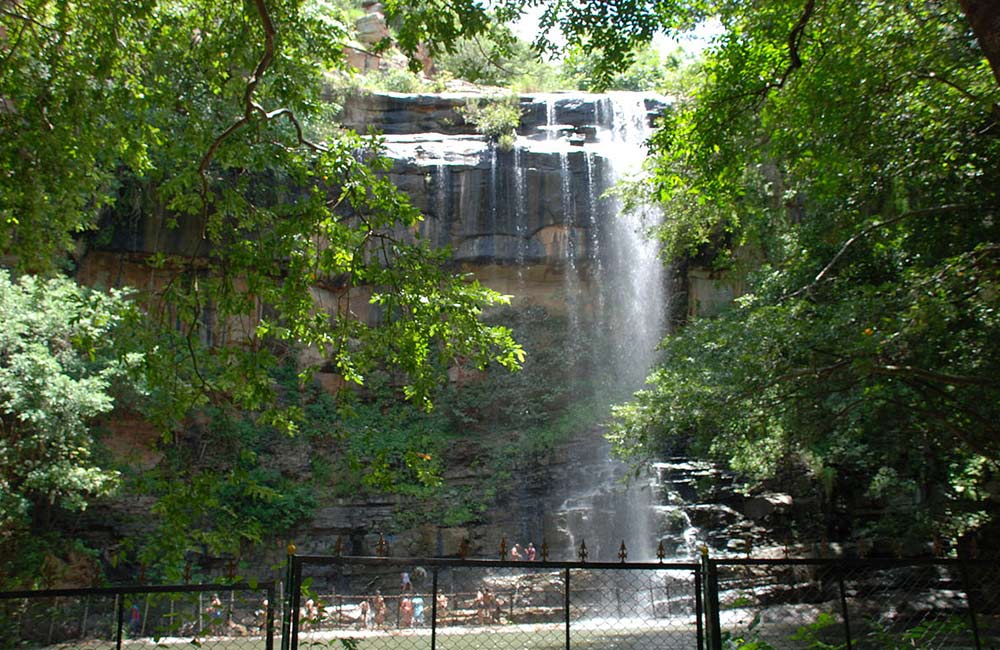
(292,233)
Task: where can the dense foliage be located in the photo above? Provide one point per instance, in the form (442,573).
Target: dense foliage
(59,368)
(197,112)
(649,70)
(842,156)
(496,117)
(200,122)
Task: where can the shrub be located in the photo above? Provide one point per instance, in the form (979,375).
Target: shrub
(497,118)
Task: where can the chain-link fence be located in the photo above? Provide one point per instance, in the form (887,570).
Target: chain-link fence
(383,603)
(215,616)
(452,604)
(852,604)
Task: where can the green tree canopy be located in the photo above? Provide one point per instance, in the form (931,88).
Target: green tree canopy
(60,367)
(649,71)
(202,118)
(841,155)
(201,114)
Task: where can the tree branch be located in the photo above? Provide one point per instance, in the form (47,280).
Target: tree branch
(994,107)
(935,377)
(813,372)
(250,107)
(795,37)
(955,207)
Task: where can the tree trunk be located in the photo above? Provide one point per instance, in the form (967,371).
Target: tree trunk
(984,17)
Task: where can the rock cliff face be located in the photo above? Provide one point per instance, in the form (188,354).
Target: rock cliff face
(517,218)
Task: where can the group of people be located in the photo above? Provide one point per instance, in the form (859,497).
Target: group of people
(487,606)
(412,610)
(371,611)
(529,553)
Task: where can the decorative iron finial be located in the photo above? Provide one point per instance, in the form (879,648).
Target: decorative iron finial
(291,548)
(583,550)
(622,552)
(503,548)
(382,547)
(463,548)
(187,572)
(338,546)
(545,551)
(231,570)
(704,550)
(142,574)
(660,552)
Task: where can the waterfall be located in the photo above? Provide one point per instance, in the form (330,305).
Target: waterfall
(494,194)
(635,288)
(520,216)
(594,228)
(629,302)
(550,118)
(569,246)
(544,204)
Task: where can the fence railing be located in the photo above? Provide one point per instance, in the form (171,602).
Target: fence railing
(376,603)
(716,604)
(402,604)
(229,616)
(815,603)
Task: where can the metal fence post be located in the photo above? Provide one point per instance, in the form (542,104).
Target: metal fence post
(566,605)
(434,608)
(286,602)
(970,599)
(699,624)
(295,598)
(120,606)
(843,606)
(714,636)
(269,619)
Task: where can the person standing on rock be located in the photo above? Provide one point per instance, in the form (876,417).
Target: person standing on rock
(442,606)
(364,609)
(134,621)
(530,552)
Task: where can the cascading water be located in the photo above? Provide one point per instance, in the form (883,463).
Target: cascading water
(629,315)
(539,219)
(636,293)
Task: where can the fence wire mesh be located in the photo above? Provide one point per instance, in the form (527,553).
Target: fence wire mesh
(223,617)
(858,604)
(403,604)
(397,605)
